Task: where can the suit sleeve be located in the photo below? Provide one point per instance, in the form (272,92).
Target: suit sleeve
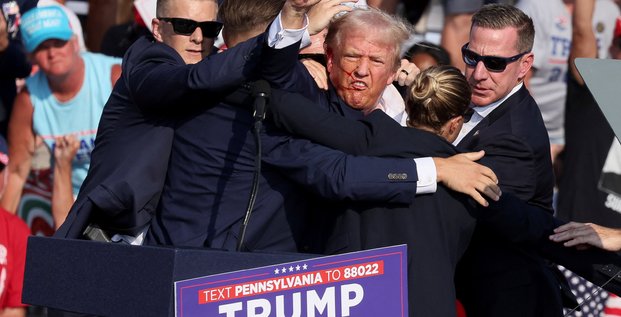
(524,223)
(298,115)
(160,79)
(335,175)
(513,161)
(517,220)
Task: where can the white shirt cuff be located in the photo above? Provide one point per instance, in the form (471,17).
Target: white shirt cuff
(279,38)
(427,176)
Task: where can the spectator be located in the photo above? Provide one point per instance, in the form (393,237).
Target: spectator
(74,21)
(119,38)
(584,194)
(65,97)
(13,236)
(426,54)
(457,16)
(13,61)
(547,80)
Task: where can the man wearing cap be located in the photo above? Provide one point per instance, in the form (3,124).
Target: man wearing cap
(66,96)
(13,235)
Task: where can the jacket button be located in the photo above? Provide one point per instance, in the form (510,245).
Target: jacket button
(397,176)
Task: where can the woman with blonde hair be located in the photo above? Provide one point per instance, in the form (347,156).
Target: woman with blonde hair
(437,228)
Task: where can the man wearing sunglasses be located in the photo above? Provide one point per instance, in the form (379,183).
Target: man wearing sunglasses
(497,278)
(165,79)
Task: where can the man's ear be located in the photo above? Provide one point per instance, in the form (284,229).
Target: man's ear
(329,57)
(155,25)
(526,64)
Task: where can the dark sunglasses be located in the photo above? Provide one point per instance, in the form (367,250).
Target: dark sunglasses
(181,26)
(492,63)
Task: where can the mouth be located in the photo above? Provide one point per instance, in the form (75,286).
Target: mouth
(359,85)
(194,51)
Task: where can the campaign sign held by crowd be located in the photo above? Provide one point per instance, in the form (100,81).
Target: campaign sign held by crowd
(365,283)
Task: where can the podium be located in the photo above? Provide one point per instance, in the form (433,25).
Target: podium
(109,279)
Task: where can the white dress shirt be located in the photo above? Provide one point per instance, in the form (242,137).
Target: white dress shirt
(481,112)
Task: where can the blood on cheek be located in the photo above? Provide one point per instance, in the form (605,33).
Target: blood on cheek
(349,74)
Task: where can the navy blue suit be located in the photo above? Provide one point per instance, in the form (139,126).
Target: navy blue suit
(500,278)
(211,168)
(436,227)
(134,138)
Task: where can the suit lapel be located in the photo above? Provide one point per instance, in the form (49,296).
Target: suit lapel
(471,139)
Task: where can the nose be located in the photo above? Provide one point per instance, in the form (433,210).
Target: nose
(363,68)
(197,36)
(480,72)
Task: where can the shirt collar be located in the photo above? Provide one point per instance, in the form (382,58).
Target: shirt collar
(486,110)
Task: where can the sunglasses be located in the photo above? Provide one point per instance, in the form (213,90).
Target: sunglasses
(492,63)
(181,26)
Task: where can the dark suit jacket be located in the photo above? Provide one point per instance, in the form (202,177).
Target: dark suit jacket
(500,278)
(211,170)
(134,138)
(436,227)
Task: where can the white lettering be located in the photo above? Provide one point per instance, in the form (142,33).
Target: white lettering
(230,309)
(348,302)
(296,305)
(259,304)
(326,302)
(613,202)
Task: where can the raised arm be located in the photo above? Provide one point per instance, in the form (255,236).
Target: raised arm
(62,193)
(583,42)
(461,173)
(21,149)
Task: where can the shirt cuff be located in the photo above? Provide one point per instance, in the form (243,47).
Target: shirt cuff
(278,37)
(427,176)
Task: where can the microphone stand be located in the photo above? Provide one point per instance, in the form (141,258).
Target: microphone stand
(261,92)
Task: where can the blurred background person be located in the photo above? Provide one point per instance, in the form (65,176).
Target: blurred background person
(547,80)
(591,149)
(426,54)
(66,96)
(13,61)
(13,235)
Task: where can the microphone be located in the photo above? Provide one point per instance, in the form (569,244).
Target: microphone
(261,92)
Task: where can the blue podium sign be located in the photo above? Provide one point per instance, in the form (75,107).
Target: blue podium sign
(365,283)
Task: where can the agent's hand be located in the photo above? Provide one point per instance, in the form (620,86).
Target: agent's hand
(317,71)
(293,12)
(585,235)
(406,73)
(322,13)
(460,173)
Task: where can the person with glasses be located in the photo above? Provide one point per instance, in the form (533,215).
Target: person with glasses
(166,78)
(438,227)
(496,277)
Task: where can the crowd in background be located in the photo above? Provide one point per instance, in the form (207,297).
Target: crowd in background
(50,139)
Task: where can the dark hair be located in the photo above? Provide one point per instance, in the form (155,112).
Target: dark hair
(242,16)
(501,16)
(437,95)
(436,51)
